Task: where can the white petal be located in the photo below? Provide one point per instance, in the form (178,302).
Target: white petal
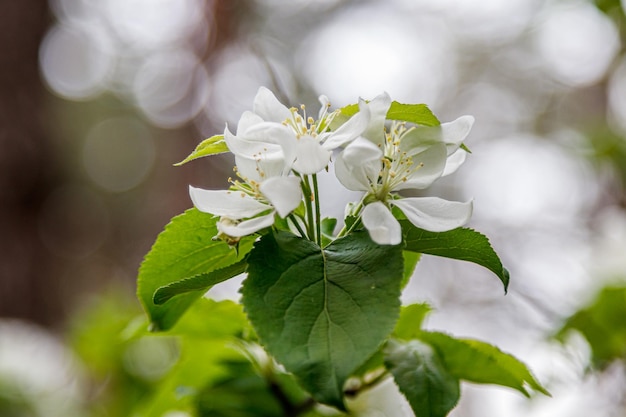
(310,157)
(269,108)
(350,130)
(260,167)
(246,121)
(246,227)
(284,193)
(383,228)
(435,214)
(359,165)
(454,162)
(378,109)
(452,134)
(243,145)
(428,165)
(233,204)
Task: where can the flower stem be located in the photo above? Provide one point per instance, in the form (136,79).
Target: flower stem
(294,221)
(318,215)
(306,188)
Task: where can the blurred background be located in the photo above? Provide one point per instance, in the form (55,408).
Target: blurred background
(99,98)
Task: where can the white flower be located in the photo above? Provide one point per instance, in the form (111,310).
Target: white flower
(251,204)
(304,144)
(404,158)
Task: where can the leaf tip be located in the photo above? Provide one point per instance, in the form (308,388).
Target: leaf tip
(160,296)
(506,276)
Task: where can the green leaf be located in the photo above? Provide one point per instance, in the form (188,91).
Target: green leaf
(410,263)
(243,392)
(413,113)
(328,226)
(206,337)
(409,325)
(183,250)
(422,377)
(480,362)
(462,243)
(200,282)
(322,313)
(602,324)
(211,146)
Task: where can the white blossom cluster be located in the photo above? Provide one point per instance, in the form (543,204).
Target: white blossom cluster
(280,150)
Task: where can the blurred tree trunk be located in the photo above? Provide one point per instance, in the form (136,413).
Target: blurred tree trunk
(26,166)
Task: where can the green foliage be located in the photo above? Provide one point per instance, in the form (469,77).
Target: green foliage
(201,282)
(322,313)
(422,377)
(409,325)
(211,146)
(413,113)
(480,362)
(411,260)
(462,244)
(185,249)
(603,324)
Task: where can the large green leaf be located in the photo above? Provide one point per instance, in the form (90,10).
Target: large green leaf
(422,377)
(603,324)
(211,146)
(183,250)
(480,362)
(462,243)
(322,313)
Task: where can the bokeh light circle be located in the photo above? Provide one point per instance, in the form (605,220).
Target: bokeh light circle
(118,154)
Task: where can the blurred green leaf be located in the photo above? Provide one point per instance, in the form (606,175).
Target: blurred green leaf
(603,324)
(422,377)
(480,362)
(183,250)
(211,146)
(322,313)
(409,325)
(206,337)
(462,244)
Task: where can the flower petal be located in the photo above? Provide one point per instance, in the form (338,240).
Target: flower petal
(359,165)
(246,121)
(383,228)
(250,144)
(260,167)
(428,167)
(232,204)
(284,193)
(378,109)
(246,227)
(348,131)
(452,134)
(454,162)
(435,214)
(269,108)
(310,157)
